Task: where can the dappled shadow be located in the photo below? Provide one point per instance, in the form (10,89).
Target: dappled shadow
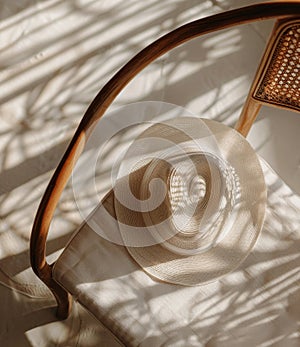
(55,56)
(32,322)
(256,304)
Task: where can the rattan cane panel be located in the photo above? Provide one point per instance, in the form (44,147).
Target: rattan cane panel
(281,81)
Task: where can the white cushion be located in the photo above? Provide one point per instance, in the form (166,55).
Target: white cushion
(255,305)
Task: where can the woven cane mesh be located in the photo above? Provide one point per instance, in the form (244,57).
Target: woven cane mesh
(281,81)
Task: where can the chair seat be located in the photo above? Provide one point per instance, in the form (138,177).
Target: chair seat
(256,304)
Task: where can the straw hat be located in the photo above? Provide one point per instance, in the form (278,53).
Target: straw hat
(190,200)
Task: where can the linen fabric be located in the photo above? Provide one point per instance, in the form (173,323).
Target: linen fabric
(255,304)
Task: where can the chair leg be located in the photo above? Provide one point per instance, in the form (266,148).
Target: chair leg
(248,116)
(64,305)
(63,299)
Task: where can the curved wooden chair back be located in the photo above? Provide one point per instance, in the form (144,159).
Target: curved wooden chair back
(263,91)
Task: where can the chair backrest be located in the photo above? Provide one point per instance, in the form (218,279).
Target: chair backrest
(270,10)
(277,79)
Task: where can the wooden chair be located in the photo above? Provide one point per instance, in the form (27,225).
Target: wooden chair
(276,84)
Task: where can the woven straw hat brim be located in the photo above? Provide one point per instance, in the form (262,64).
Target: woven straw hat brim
(227,254)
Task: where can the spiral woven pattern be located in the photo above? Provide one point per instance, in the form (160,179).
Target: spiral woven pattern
(202,199)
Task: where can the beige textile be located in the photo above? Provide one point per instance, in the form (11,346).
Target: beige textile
(255,305)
